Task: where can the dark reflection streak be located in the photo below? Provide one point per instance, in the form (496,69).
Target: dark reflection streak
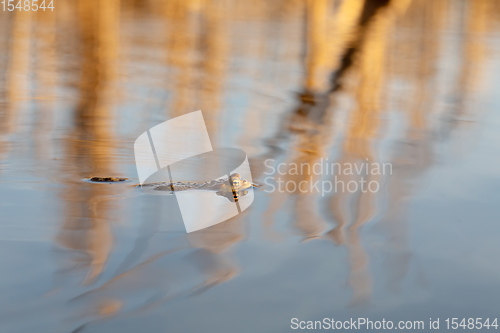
(369,43)
(313,109)
(370,9)
(79,329)
(308,132)
(315,105)
(298,121)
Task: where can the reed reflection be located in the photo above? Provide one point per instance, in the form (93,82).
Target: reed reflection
(474,53)
(46,74)
(199,85)
(361,73)
(86,230)
(142,281)
(15,88)
(369,47)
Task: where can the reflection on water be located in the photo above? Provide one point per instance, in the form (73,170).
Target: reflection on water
(396,81)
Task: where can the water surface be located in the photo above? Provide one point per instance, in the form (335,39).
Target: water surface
(411,83)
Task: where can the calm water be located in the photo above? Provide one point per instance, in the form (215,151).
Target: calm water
(411,83)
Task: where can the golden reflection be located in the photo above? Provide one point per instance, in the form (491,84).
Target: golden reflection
(199,85)
(99,32)
(359,139)
(214,49)
(317,27)
(310,125)
(46,78)
(17,91)
(197,57)
(474,51)
(87,229)
(181,46)
(118,296)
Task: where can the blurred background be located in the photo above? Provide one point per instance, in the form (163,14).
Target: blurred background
(410,82)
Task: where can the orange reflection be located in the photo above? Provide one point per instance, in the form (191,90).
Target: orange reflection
(86,228)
